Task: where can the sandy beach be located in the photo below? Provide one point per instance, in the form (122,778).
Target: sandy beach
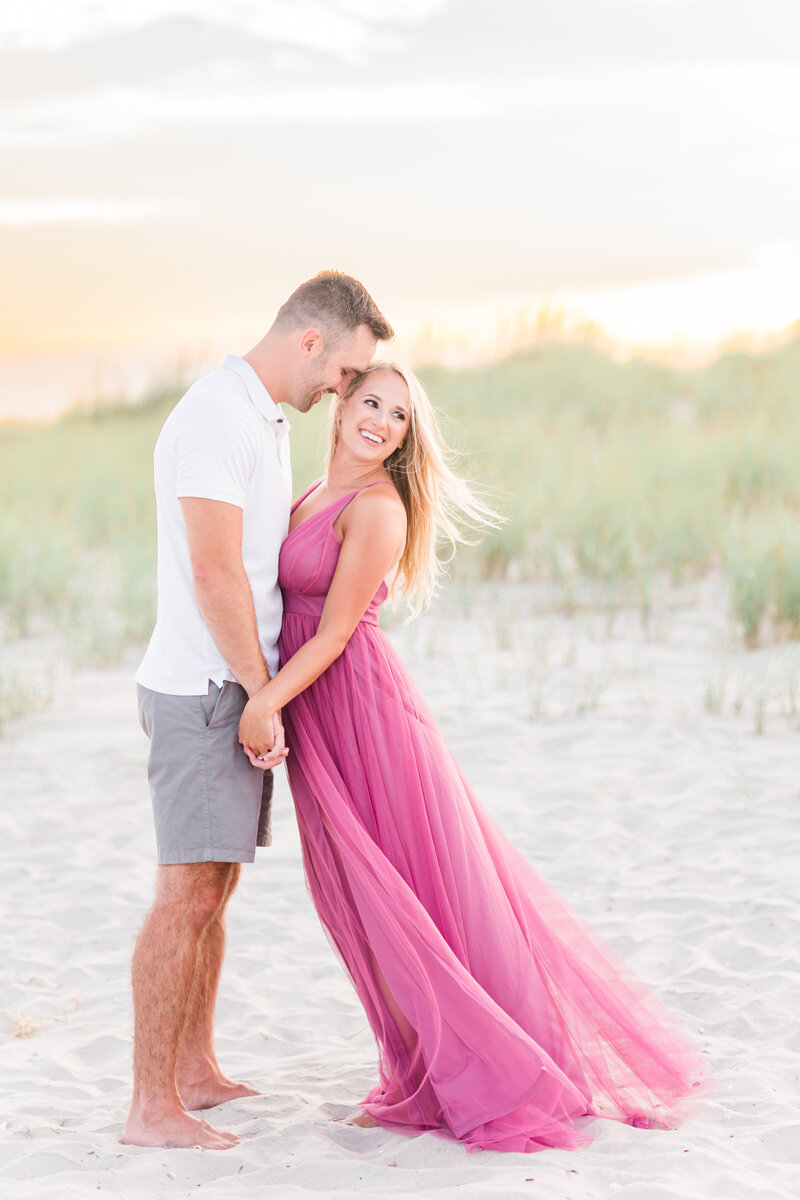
(651,774)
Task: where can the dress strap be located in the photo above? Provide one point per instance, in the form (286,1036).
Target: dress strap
(340,505)
(306,494)
(336,506)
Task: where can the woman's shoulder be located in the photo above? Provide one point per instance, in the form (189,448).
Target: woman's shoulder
(376,506)
(381,496)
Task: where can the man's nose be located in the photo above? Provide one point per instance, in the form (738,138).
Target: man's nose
(340,387)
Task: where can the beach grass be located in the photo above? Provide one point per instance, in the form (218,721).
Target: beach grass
(615,473)
(623,472)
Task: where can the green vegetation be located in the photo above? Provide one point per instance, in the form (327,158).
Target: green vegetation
(621,472)
(611,472)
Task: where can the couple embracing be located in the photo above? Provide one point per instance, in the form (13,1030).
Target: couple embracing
(501,1019)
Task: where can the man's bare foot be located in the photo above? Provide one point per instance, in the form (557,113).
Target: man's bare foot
(175,1131)
(211,1091)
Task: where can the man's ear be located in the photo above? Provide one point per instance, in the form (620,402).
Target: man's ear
(311,343)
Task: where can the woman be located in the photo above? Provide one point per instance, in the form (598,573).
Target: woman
(501,1020)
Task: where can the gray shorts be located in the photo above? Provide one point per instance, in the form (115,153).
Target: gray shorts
(209,802)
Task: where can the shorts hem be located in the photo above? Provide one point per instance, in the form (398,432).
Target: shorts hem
(168,858)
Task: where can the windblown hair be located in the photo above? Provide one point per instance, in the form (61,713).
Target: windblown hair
(336,303)
(439,504)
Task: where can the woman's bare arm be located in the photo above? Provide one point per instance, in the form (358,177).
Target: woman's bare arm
(371,546)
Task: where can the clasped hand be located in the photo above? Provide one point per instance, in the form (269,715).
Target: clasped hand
(261,732)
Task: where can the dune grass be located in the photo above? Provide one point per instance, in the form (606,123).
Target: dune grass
(621,472)
(609,472)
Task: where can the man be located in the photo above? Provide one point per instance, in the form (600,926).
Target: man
(223,493)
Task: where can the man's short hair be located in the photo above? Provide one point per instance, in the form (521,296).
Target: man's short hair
(336,304)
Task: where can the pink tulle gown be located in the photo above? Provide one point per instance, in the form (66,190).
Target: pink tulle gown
(501,1019)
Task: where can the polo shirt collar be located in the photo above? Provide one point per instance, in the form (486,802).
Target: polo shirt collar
(255,388)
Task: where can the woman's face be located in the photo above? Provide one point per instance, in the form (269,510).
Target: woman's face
(374,421)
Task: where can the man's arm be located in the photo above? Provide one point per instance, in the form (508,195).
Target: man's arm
(223,593)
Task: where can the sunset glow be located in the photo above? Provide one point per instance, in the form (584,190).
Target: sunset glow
(174,170)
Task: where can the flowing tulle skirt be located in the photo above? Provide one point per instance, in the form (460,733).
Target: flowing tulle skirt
(502,1020)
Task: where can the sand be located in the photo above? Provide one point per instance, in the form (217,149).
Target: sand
(625,762)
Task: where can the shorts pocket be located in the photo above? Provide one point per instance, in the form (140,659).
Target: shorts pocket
(209,703)
(145,704)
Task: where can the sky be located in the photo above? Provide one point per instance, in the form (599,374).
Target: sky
(173,169)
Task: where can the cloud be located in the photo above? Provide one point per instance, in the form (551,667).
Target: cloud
(744,108)
(88,212)
(338,27)
(114,112)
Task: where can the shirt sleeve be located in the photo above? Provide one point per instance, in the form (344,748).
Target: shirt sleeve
(216,449)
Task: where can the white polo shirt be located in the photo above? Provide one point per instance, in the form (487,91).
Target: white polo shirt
(224,440)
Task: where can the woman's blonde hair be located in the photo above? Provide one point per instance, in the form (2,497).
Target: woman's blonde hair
(439,504)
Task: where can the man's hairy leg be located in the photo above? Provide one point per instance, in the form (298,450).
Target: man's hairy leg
(188,896)
(200,1081)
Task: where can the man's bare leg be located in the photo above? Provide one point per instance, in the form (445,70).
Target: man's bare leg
(188,896)
(200,1082)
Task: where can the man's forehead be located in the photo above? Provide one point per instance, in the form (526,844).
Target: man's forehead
(360,347)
